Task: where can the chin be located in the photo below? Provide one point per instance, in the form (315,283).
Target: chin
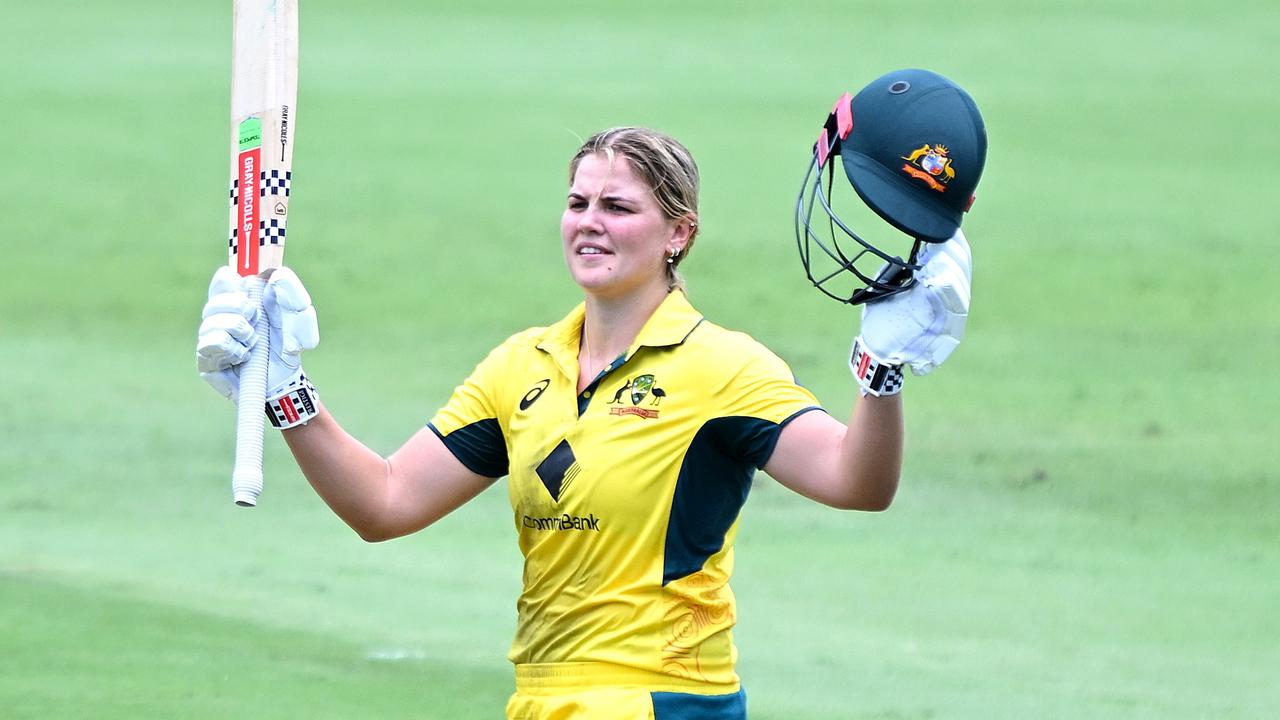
(596,286)
(593,278)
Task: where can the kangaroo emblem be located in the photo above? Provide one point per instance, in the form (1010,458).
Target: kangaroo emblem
(617,399)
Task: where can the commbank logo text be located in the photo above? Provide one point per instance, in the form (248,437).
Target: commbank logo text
(563,522)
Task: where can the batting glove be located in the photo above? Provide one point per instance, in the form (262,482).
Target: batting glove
(226,336)
(921,327)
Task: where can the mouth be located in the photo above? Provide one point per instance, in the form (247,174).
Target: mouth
(590,250)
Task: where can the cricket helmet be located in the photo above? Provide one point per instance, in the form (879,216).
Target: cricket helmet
(912,144)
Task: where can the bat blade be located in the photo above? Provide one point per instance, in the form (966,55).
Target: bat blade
(264,90)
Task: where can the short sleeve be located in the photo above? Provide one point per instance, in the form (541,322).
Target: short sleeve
(469,423)
(762,398)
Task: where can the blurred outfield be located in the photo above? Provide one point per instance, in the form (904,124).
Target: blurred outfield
(1089,524)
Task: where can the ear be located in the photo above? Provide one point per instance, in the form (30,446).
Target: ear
(682,232)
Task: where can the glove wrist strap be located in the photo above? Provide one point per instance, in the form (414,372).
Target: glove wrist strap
(874,375)
(293,404)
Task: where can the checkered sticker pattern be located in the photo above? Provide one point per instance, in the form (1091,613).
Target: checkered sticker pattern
(874,376)
(892,381)
(270,232)
(234,241)
(276,182)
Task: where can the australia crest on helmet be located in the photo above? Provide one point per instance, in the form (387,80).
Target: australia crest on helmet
(930,163)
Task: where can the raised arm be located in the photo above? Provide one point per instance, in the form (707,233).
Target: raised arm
(857,467)
(380,498)
(852,468)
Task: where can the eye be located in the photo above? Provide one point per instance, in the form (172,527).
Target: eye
(620,208)
(577,204)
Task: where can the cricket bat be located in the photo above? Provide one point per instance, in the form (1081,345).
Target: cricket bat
(264,91)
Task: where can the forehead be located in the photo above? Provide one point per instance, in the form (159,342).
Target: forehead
(597,175)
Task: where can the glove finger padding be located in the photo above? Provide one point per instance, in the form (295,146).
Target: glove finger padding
(234,303)
(953,254)
(224,340)
(922,326)
(294,325)
(226,335)
(226,281)
(225,382)
(949,267)
(226,329)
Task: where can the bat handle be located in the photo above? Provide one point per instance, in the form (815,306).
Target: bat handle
(246,478)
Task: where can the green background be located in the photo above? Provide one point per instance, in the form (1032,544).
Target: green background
(1087,525)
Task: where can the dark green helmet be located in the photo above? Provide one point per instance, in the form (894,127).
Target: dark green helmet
(913,145)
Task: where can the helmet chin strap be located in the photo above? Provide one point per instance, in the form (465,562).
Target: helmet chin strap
(892,279)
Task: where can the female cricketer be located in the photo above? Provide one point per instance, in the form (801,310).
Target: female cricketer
(629,432)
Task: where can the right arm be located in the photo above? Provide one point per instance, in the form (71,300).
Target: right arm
(382,498)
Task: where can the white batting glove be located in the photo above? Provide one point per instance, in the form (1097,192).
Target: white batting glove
(922,326)
(226,332)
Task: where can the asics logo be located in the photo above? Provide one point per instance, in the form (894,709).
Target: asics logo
(534,393)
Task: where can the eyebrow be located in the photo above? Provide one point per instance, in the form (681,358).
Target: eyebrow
(607,198)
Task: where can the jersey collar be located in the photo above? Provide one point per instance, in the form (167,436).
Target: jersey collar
(671,324)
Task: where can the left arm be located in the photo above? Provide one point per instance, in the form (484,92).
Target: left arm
(857,467)
(851,468)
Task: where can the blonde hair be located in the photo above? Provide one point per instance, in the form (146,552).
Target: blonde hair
(662,163)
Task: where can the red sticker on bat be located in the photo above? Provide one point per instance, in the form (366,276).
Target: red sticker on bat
(248,210)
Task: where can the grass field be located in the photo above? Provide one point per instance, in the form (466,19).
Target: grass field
(1089,524)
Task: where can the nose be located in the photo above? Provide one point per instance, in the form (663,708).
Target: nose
(589,221)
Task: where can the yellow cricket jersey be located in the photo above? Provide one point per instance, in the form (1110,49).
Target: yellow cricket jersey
(626,496)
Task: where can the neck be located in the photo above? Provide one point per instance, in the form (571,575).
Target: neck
(612,324)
